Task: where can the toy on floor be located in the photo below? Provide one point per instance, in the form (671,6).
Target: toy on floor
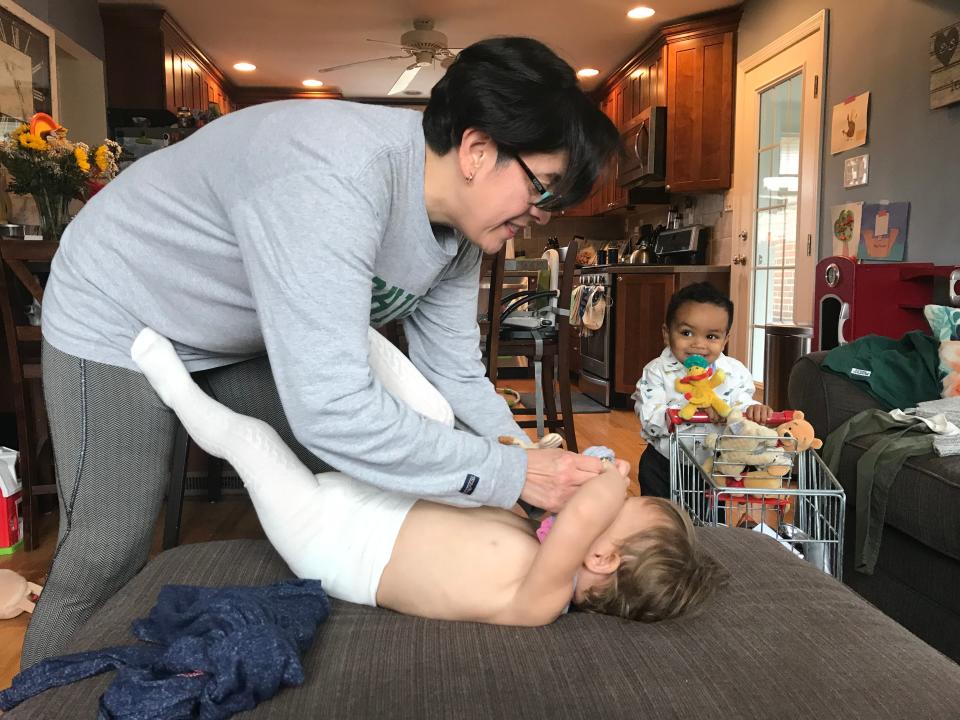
(697,387)
(16,594)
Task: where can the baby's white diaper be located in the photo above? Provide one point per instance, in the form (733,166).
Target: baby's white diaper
(350,537)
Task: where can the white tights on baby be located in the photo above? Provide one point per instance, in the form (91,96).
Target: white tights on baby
(298,511)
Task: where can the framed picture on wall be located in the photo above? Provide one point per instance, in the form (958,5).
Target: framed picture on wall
(28,66)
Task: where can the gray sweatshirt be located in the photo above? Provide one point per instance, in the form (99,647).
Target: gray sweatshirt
(289,228)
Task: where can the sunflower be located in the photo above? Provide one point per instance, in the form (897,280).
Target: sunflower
(83,162)
(34,142)
(102,158)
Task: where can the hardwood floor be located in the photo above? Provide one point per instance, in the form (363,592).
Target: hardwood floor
(234,517)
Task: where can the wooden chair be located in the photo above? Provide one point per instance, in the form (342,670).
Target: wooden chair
(25,266)
(546,347)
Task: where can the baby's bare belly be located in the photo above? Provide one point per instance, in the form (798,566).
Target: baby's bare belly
(457,563)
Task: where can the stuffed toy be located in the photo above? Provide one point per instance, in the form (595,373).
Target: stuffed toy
(800,434)
(697,387)
(754,446)
(15,594)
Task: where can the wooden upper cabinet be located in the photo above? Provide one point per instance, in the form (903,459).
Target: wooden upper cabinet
(151,64)
(700,90)
(646,86)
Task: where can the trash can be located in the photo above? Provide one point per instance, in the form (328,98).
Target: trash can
(783,346)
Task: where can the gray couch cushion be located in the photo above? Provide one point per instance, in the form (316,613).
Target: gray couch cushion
(924,501)
(827,399)
(783,640)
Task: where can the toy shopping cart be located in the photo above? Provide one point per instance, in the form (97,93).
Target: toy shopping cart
(791,495)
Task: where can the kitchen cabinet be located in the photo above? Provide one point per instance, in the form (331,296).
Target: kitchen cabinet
(645,86)
(689,68)
(607,195)
(641,305)
(151,64)
(700,112)
(641,296)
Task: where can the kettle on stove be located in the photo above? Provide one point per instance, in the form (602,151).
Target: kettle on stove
(643,255)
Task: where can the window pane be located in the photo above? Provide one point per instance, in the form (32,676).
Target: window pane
(793,111)
(762,244)
(760,293)
(765,171)
(781,108)
(766,118)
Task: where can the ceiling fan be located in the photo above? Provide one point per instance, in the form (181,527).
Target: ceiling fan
(424,44)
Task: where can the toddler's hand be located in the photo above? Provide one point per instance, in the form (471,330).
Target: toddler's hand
(712,415)
(759,414)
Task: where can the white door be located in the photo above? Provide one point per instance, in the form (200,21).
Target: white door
(776,189)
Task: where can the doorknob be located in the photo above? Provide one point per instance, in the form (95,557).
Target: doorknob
(739,259)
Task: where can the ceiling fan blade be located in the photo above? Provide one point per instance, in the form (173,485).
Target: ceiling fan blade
(385,42)
(360,62)
(406,77)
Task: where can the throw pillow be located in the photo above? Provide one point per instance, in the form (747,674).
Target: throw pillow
(945,324)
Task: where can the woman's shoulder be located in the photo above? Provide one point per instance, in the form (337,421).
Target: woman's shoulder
(328,136)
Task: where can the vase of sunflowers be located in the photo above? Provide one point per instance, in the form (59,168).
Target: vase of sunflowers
(54,170)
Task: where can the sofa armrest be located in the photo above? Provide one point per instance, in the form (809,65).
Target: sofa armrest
(827,399)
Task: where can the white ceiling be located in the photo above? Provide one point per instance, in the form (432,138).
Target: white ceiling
(288,40)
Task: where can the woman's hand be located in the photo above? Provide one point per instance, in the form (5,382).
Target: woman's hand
(554,475)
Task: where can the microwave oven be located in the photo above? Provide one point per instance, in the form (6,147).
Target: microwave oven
(642,158)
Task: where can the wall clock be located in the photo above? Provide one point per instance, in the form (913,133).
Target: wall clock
(27,64)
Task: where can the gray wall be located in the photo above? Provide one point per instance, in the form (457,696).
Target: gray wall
(882,46)
(77,19)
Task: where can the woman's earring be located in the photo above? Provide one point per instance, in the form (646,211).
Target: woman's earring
(469,178)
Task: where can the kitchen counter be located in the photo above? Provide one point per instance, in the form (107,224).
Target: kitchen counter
(643,269)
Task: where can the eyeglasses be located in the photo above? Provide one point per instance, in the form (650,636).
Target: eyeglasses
(547,200)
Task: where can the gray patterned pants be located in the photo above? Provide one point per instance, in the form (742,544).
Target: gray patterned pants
(113,446)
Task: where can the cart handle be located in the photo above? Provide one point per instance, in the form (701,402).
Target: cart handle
(674,419)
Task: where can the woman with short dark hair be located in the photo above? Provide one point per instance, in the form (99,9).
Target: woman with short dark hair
(264,246)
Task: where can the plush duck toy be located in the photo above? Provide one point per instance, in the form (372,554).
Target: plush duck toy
(697,387)
(15,594)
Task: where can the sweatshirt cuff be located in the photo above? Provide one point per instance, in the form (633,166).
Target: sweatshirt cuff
(510,478)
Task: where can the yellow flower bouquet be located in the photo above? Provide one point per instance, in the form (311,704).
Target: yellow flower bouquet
(45,164)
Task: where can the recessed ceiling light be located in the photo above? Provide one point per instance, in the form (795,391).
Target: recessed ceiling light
(245,67)
(310,82)
(641,12)
(587,72)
